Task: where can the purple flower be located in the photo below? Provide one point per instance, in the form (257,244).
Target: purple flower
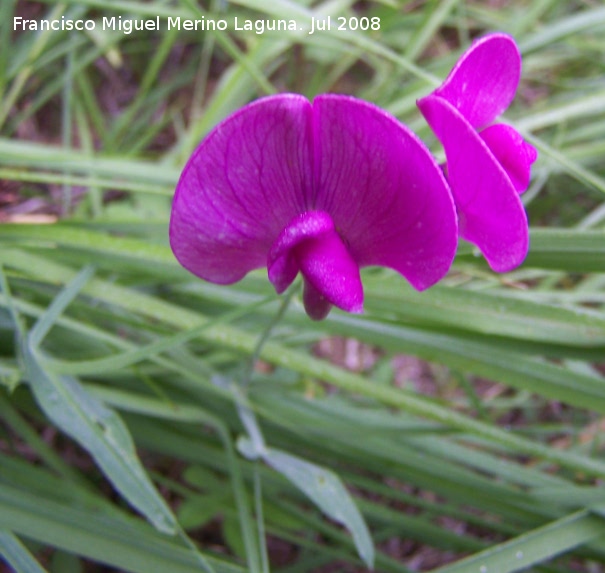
(322,189)
(487,169)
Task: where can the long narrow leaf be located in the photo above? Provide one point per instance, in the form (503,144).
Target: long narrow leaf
(127,544)
(95,427)
(533,547)
(325,489)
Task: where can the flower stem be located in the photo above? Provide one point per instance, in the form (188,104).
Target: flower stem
(267,332)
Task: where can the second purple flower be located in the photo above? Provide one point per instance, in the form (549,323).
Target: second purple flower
(320,188)
(488,164)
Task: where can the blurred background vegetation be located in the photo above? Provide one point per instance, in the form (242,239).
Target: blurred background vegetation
(150,422)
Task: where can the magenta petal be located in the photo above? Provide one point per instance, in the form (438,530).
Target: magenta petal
(317,306)
(490,211)
(310,243)
(512,151)
(249,177)
(484,81)
(384,191)
(331,270)
(282,263)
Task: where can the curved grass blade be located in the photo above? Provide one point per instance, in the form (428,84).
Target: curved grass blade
(324,488)
(95,427)
(17,555)
(537,546)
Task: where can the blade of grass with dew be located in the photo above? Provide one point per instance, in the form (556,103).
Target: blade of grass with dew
(89,422)
(326,490)
(533,547)
(121,400)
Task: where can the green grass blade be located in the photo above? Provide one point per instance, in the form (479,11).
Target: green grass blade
(534,547)
(17,555)
(120,542)
(88,421)
(566,26)
(325,489)
(102,433)
(61,302)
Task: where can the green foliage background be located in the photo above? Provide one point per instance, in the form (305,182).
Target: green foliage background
(108,346)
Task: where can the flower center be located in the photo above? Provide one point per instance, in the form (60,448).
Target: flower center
(310,244)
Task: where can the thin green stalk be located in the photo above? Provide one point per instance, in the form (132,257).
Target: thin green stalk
(95,194)
(285,303)
(260,521)
(232,49)
(201,80)
(574,169)
(24,74)
(535,10)
(196,552)
(6,14)
(67,117)
(5,289)
(248,419)
(50,178)
(439,11)
(141,353)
